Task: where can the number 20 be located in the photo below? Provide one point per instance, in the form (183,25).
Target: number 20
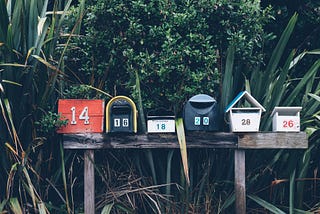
(83,116)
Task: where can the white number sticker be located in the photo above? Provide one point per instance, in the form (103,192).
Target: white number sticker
(205,121)
(116,122)
(125,122)
(197,121)
(73,116)
(83,116)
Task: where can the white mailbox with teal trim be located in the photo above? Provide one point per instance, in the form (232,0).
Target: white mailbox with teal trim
(244,119)
(286,119)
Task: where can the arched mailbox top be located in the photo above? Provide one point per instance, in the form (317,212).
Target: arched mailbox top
(121,100)
(120,105)
(201,103)
(202,98)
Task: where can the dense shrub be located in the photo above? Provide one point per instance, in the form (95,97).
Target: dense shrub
(175,48)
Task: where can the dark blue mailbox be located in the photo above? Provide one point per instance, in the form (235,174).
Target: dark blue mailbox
(201,113)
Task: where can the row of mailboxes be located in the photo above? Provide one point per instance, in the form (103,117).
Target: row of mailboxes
(200,114)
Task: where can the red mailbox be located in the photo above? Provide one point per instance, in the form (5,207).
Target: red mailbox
(83,116)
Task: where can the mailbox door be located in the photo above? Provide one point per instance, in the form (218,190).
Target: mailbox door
(83,116)
(161,124)
(200,120)
(245,120)
(121,119)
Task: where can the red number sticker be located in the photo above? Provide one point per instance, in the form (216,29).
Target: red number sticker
(288,124)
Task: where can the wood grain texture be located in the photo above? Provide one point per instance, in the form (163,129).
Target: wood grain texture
(273,140)
(240,180)
(206,140)
(89,196)
(148,141)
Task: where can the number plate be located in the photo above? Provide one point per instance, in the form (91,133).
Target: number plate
(287,124)
(245,122)
(82,115)
(161,126)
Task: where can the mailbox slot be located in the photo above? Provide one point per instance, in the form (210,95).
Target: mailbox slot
(121,109)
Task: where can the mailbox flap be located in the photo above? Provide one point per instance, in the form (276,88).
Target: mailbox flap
(286,110)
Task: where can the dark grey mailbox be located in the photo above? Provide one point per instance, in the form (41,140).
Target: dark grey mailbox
(201,113)
(121,115)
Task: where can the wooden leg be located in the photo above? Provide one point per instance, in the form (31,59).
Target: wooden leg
(239,179)
(89,205)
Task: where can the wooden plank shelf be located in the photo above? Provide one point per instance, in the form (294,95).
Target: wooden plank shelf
(206,140)
(273,140)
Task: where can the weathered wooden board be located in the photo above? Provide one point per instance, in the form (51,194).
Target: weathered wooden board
(89,202)
(148,141)
(273,140)
(240,180)
(261,140)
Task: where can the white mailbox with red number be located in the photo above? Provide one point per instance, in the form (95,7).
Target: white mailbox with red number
(82,115)
(246,116)
(286,119)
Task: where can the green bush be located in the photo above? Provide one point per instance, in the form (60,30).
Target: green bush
(175,48)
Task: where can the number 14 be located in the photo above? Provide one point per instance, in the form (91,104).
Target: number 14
(83,116)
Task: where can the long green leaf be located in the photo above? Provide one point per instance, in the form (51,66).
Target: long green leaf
(15,206)
(266,204)
(107,209)
(2,204)
(30,187)
(227,79)
(305,80)
(168,174)
(275,58)
(64,178)
(42,208)
(291,192)
(151,164)
(4,21)
(183,147)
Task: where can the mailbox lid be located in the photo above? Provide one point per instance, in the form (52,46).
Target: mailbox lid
(286,110)
(84,116)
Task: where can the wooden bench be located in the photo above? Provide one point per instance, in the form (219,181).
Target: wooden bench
(204,140)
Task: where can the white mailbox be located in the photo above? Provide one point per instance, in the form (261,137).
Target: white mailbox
(286,119)
(244,119)
(161,122)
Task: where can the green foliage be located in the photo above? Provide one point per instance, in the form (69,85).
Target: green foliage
(50,122)
(175,47)
(282,89)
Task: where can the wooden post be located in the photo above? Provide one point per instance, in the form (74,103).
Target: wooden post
(89,204)
(240,180)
